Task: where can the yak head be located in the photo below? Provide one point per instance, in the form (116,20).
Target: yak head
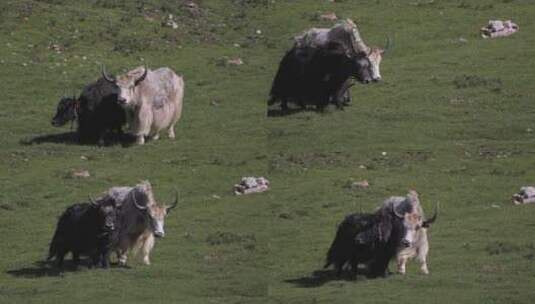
(127,84)
(66,111)
(410,211)
(107,213)
(156,214)
(359,49)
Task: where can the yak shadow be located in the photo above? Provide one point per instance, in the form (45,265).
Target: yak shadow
(41,269)
(321,277)
(71,138)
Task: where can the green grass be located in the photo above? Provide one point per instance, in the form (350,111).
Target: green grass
(453,118)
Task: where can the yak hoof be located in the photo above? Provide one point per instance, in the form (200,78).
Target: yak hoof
(140,140)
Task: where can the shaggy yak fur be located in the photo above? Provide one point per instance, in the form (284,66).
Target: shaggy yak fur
(96,112)
(85,229)
(370,239)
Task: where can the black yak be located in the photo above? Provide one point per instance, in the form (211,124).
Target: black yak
(86,229)
(373,239)
(96,112)
(321,66)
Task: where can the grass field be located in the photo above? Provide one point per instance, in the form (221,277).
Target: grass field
(454,116)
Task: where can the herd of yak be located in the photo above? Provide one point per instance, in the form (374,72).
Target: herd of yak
(317,71)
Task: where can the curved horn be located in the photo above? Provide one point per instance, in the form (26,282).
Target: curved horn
(92,201)
(430,221)
(400,215)
(136,204)
(174,203)
(105,75)
(140,79)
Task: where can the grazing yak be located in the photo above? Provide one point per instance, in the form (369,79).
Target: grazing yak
(141,220)
(321,66)
(153,99)
(85,229)
(374,239)
(419,244)
(95,111)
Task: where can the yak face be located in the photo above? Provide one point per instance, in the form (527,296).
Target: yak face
(107,214)
(66,111)
(375,56)
(362,70)
(156,214)
(127,84)
(412,223)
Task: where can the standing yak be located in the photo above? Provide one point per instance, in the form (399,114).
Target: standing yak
(321,66)
(85,229)
(374,239)
(141,220)
(153,99)
(95,111)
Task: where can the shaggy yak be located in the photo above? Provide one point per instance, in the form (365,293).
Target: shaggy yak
(321,66)
(85,229)
(95,111)
(374,239)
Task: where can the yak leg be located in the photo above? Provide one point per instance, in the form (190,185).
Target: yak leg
(171,131)
(401,262)
(146,248)
(340,94)
(60,257)
(75,258)
(156,136)
(140,140)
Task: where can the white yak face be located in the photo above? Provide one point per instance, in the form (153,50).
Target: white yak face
(157,215)
(412,223)
(128,84)
(375,56)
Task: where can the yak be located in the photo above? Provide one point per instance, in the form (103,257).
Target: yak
(95,111)
(85,229)
(153,99)
(141,220)
(319,69)
(373,239)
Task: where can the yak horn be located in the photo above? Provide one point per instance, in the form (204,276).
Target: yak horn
(430,221)
(174,203)
(400,215)
(136,204)
(140,79)
(105,75)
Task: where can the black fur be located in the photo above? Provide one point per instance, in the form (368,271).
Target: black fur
(96,112)
(369,239)
(85,229)
(318,77)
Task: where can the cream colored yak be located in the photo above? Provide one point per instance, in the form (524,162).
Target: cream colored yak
(153,100)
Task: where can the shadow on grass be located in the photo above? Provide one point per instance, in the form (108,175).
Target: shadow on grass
(320,277)
(71,138)
(49,269)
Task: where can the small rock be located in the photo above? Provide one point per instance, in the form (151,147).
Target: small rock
(463,40)
(383,153)
(80,174)
(216,196)
(235,61)
(258,32)
(360,184)
(83,157)
(363,167)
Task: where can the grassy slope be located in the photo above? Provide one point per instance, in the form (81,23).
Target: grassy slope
(465,147)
